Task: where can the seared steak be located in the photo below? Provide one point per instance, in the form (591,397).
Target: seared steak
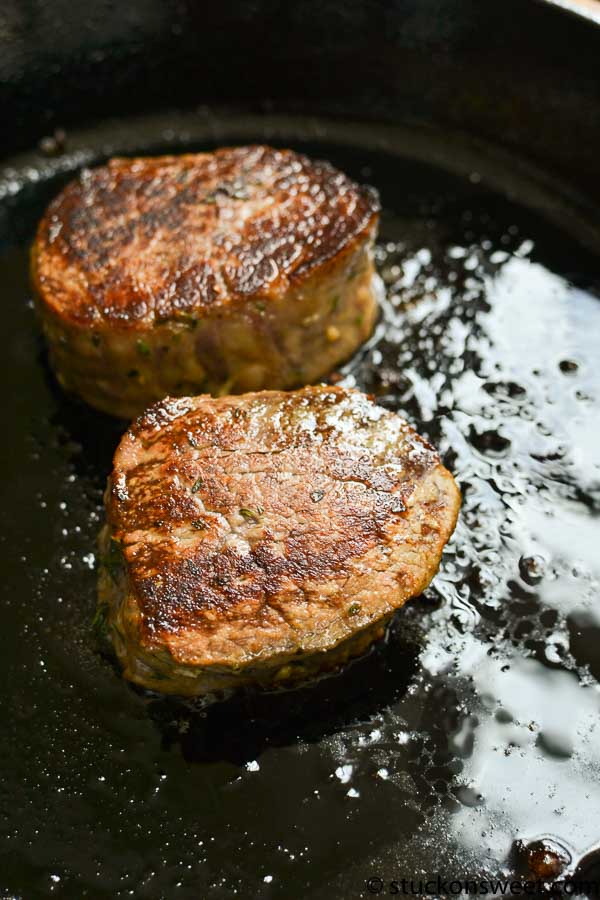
(215,272)
(265,538)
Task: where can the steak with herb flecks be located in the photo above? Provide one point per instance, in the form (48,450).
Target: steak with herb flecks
(224,272)
(267,537)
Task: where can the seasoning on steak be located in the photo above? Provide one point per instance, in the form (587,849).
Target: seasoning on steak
(267,537)
(218,272)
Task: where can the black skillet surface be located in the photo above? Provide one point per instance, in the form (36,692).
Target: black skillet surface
(474,726)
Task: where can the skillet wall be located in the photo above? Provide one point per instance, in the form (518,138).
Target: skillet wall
(522,73)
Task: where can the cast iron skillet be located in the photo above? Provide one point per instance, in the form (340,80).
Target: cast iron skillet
(467,740)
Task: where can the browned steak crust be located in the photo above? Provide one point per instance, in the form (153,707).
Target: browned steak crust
(259,534)
(246,240)
(141,240)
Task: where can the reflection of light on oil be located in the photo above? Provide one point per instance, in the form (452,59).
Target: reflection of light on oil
(535,758)
(569,533)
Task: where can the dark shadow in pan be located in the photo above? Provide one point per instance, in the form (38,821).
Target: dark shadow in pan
(89,436)
(242,727)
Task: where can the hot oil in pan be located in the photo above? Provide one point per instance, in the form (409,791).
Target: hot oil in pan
(473,727)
